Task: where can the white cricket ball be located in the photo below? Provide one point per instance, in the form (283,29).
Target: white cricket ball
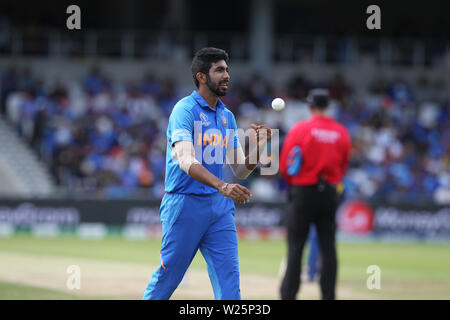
(278,104)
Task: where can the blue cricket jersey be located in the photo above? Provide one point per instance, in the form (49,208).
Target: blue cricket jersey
(211,132)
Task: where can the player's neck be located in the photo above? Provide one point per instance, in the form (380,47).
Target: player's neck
(319,113)
(210,97)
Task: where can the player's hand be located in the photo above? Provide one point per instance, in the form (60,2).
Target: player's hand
(236,192)
(263,132)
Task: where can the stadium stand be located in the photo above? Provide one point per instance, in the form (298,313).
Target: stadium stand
(106,137)
(21,171)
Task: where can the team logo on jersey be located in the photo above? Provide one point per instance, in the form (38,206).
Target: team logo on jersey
(204,119)
(224,121)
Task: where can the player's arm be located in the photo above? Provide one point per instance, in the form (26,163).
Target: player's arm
(242,165)
(286,148)
(291,153)
(186,158)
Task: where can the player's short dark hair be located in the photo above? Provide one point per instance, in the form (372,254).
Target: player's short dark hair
(204,58)
(319,98)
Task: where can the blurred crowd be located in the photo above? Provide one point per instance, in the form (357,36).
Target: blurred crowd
(107,138)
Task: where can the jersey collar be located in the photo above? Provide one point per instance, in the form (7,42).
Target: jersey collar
(321,117)
(203,103)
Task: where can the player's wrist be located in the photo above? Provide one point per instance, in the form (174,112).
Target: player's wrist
(224,188)
(221,186)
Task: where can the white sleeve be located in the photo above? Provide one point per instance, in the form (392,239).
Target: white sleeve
(185,155)
(237,165)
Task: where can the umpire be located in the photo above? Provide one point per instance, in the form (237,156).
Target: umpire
(314,159)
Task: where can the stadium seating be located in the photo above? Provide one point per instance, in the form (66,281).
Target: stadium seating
(22,174)
(106,137)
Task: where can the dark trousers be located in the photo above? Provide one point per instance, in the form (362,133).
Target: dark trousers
(311,204)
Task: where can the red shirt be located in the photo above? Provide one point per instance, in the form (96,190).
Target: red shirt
(325,147)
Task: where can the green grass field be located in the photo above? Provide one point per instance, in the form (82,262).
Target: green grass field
(408,270)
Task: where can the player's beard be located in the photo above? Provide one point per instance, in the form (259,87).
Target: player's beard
(215,87)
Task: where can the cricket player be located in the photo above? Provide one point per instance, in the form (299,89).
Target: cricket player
(197,211)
